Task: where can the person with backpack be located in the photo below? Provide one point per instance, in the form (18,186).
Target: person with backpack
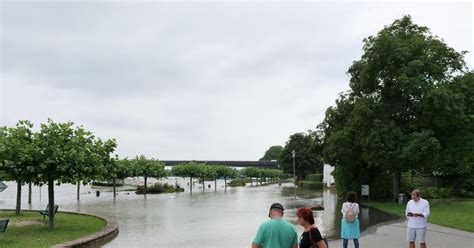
(311,237)
(350,220)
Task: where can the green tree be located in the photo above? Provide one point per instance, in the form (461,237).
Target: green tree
(189,169)
(448,110)
(148,168)
(308,154)
(250,172)
(225,172)
(117,169)
(17,156)
(381,116)
(64,153)
(89,161)
(273,153)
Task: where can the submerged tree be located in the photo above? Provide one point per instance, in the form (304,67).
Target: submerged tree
(147,168)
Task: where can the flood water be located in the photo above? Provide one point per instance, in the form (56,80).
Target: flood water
(202,219)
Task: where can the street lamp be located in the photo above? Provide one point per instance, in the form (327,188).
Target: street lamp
(293,153)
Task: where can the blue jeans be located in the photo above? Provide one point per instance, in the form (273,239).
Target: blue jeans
(346,241)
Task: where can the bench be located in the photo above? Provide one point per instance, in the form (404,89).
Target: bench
(46,212)
(3,225)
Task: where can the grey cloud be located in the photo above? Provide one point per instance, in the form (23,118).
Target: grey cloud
(193,80)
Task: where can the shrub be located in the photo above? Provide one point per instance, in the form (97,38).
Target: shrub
(158,188)
(435,193)
(236,183)
(311,185)
(408,184)
(314,177)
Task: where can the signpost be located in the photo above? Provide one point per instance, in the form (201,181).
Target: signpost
(3,186)
(365,191)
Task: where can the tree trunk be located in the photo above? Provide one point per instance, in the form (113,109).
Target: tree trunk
(18,197)
(396,185)
(115,184)
(191,184)
(225,183)
(145,183)
(203,186)
(51,203)
(29,192)
(78,189)
(215,184)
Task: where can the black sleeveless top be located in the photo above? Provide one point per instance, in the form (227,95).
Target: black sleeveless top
(305,241)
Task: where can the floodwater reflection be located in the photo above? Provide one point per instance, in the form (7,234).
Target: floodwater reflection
(204,219)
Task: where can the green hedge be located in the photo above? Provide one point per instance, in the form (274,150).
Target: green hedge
(311,185)
(236,183)
(436,193)
(314,177)
(158,188)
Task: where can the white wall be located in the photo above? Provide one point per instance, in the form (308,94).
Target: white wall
(327,177)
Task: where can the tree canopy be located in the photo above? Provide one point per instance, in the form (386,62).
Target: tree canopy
(273,153)
(308,154)
(400,106)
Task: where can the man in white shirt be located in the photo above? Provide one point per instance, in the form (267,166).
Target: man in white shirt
(417,212)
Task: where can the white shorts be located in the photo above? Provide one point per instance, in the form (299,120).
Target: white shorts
(416,234)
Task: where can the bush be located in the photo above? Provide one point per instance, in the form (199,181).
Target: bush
(408,184)
(314,177)
(158,188)
(311,185)
(465,193)
(236,183)
(435,193)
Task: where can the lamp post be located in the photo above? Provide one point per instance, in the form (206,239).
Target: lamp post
(293,153)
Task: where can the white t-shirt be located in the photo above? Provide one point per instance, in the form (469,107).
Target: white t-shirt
(349,205)
(420,207)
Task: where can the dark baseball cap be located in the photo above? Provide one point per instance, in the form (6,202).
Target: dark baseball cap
(277,206)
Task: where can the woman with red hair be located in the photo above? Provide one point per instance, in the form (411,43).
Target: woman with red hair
(311,237)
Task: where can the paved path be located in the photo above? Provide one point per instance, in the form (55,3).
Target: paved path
(393,234)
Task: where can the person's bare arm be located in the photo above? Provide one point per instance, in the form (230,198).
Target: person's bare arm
(294,246)
(258,246)
(321,244)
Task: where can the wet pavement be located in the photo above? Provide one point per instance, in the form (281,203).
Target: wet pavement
(222,218)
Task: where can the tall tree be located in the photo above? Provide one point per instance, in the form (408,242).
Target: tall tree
(117,169)
(308,154)
(225,172)
(381,114)
(17,156)
(273,153)
(64,153)
(148,168)
(189,169)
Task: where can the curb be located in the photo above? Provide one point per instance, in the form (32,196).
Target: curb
(109,232)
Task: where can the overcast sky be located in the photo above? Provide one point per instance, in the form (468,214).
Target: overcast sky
(194,80)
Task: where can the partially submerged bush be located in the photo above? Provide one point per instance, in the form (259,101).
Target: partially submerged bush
(237,183)
(158,188)
(311,185)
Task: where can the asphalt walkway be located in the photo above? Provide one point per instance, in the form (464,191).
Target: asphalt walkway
(393,234)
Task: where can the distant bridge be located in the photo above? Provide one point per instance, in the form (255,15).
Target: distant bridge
(261,164)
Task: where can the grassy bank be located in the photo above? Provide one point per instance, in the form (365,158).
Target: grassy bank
(455,213)
(30,230)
